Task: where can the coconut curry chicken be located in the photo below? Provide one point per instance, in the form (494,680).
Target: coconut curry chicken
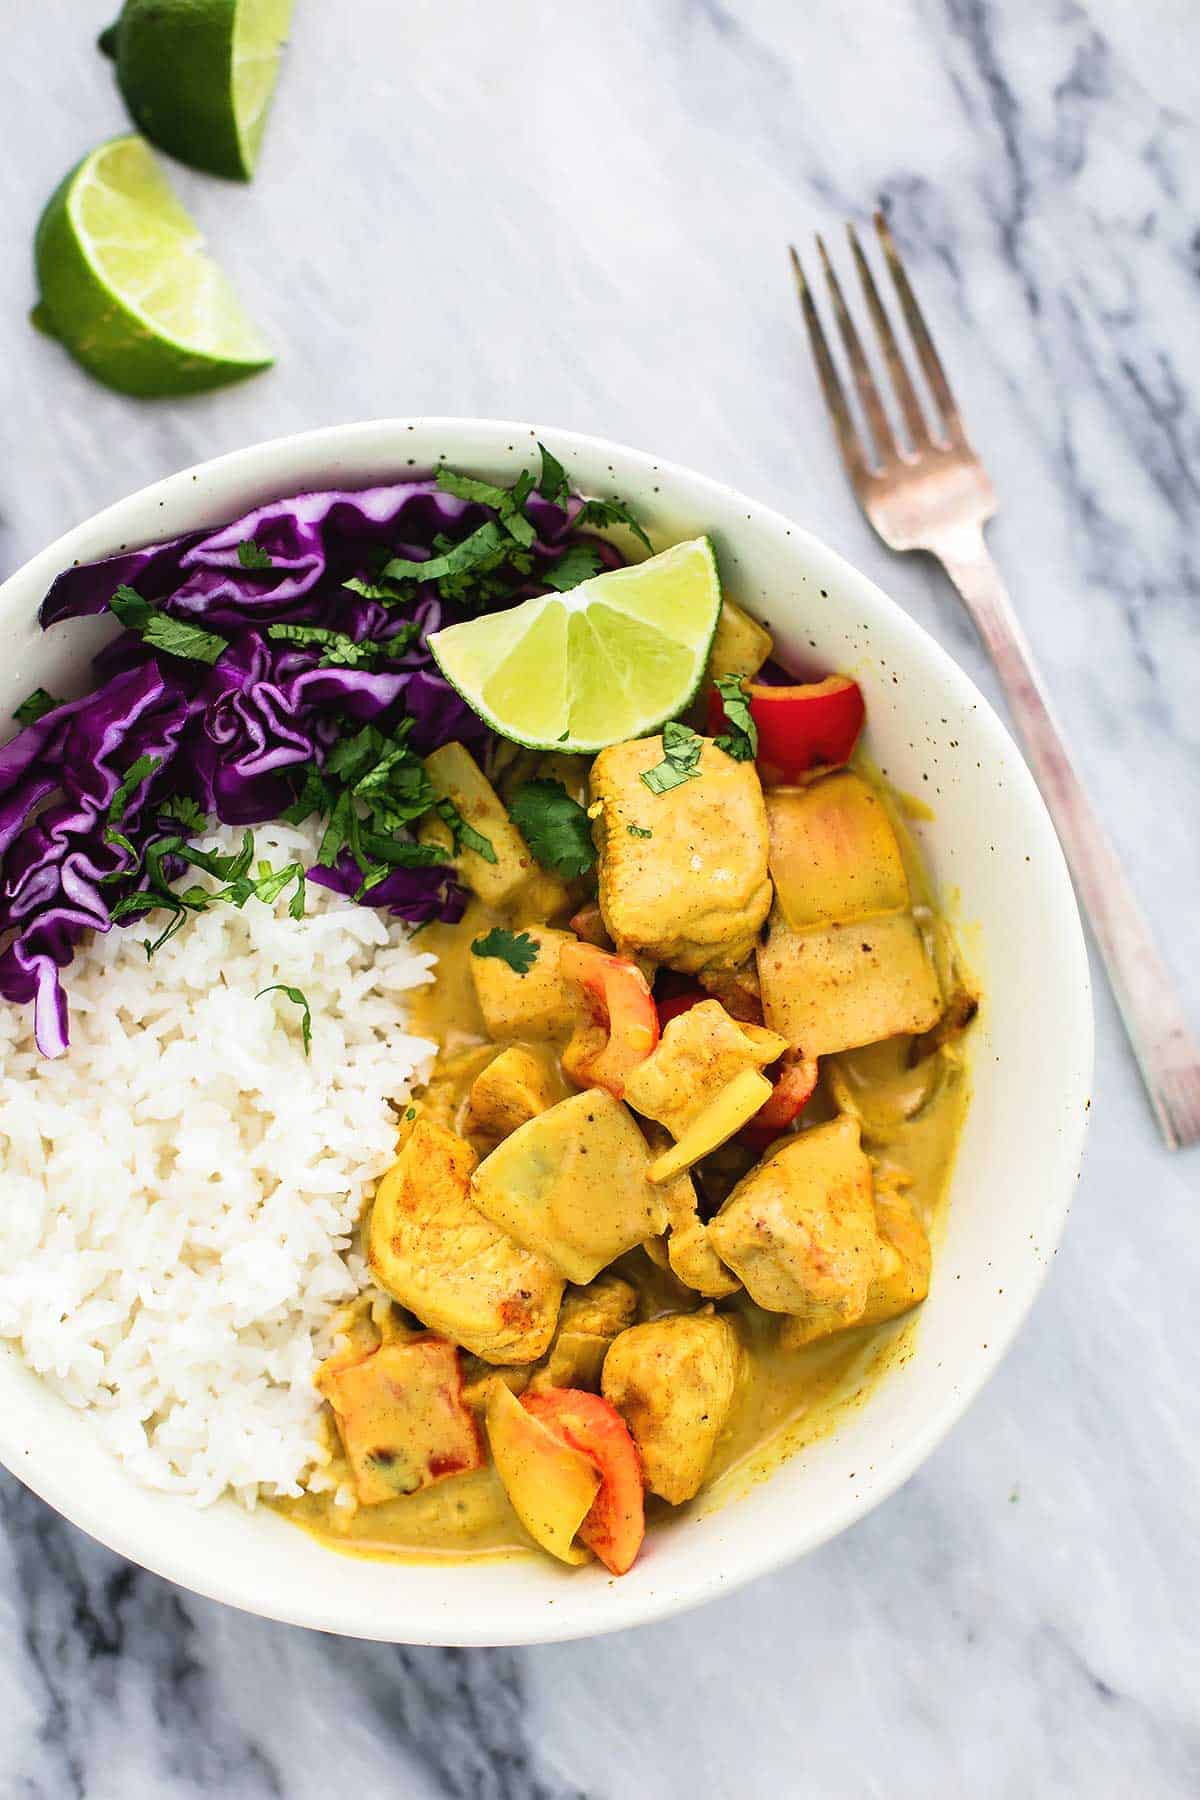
(695,1104)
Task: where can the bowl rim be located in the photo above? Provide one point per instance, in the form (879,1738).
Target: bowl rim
(328,445)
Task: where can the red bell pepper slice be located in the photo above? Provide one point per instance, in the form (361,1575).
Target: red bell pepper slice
(801,730)
(791,1093)
(616,1524)
(674,1004)
(618,1026)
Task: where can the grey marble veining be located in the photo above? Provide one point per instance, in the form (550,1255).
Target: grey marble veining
(578,217)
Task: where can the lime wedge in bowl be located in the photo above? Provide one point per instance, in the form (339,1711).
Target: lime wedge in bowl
(613,658)
(198,75)
(126,286)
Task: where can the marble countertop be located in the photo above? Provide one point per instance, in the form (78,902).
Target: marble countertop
(580,218)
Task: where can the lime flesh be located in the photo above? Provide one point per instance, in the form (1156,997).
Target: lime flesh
(126,285)
(613,658)
(198,75)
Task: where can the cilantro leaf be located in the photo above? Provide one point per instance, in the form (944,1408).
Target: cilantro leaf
(555,827)
(130,608)
(516,948)
(611,512)
(386,591)
(681,753)
(186,810)
(577,564)
(552,482)
(174,637)
(118,806)
(35,706)
(741,740)
(298,998)
(462,835)
(639,831)
(253,556)
(456,560)
(341,651)
(315,796)
(507,503)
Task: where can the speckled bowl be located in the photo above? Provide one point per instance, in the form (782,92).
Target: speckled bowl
(990,843)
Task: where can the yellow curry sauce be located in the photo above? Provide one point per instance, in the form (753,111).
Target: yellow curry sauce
(909,1099)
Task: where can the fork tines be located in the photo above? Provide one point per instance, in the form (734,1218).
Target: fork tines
(948,430)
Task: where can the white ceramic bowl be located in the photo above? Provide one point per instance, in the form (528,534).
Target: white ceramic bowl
(990,841)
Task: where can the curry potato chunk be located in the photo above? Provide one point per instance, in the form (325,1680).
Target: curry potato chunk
(800,1230)
(571,1185)
(401,1417)
(694,893)
(432,1250)
(511,873)
(673,1381)
(834,855)
(535,1005)
(700,1052)
(515,1087)
(842,986)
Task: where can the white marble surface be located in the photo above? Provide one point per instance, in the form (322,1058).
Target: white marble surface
(577,215)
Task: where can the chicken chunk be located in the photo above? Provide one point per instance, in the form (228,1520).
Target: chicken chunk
(673,1381)
(538,1004)
(842,986)
(515,1087)
(800,1231)
(900,1279)
(683,874)
(699,1053)
(432,1250)
(588,1321)
(571,1185)
(401,1417)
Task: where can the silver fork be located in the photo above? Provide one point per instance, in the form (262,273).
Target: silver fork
(934,495)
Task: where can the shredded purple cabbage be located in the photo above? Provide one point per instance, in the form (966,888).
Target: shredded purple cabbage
(233,736)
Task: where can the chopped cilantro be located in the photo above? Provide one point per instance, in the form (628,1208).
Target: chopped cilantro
(298,998)
(35,706)
(639,831)
(118,806)
(741,740)
(555,827)
(681,753)
(455,560)
(611,512)
(387,591)
(341,651)
(577,564)
(507,503)
(462,835)
(253,556)
(186,810)
(552,482)
(130,608)
(174,637)
(516,948)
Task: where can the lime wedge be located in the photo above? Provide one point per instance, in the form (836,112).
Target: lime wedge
(613,658)
(198,75)
(126,286)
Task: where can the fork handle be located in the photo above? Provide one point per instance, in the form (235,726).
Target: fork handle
(1158,1031)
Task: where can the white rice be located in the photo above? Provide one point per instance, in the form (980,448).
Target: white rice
(180,1189)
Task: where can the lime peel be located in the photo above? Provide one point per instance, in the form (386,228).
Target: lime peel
(613,658)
